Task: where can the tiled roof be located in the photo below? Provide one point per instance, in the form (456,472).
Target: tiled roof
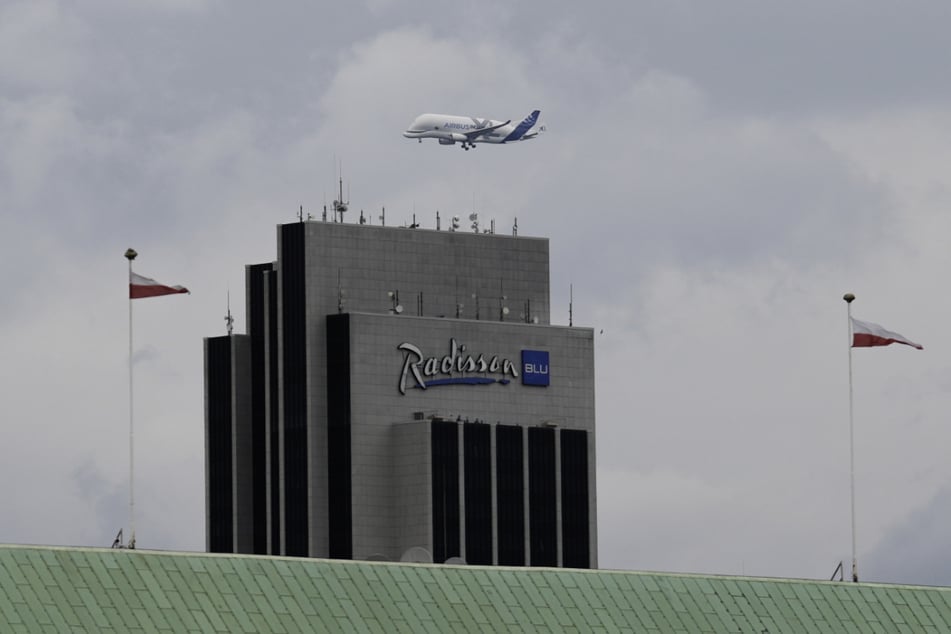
(48,589)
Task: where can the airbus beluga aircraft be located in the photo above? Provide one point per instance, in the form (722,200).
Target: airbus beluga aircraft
(451,129)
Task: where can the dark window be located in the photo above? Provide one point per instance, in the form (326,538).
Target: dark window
(295,389)
(339,500)
(541,496)
(218,395)
(256,308)
(478,480)
(510,494)
(574,499)
(274,414)
(445,454)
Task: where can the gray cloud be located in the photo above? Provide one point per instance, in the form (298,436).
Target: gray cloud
(712,181)
(916,550)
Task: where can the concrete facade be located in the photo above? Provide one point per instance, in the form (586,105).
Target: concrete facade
(365,339)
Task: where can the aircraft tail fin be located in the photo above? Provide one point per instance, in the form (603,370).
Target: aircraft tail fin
(523,127)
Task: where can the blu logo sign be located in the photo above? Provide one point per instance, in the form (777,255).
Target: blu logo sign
(535,367)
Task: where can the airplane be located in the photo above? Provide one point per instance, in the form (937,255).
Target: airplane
(450,129)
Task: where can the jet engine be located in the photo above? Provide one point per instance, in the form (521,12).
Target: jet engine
(454,138)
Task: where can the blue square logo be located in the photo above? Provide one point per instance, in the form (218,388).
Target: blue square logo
(535,367)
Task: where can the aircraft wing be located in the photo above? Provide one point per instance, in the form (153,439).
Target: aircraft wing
(475,134)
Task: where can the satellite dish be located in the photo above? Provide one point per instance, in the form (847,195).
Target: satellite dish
(473,216)
(398,309)
(456,561)
(505,310)
(416,555)
(534,320)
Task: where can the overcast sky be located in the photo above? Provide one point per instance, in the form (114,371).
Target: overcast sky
(714,177)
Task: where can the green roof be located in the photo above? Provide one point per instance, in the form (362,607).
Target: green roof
(48,589)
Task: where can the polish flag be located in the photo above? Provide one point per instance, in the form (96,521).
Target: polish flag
(140,287)
(866,335)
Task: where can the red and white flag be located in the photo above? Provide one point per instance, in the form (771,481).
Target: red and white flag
(140,287)
(866,335)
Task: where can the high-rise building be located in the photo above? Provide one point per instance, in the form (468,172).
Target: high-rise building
(401,393)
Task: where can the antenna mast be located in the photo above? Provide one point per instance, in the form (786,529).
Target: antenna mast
(229,320)
(340,205)
(571,302)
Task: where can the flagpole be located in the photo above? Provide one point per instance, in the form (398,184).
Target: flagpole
(130,255)
(849,298)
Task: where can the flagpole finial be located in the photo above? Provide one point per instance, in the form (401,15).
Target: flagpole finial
(130,254)
(849,298)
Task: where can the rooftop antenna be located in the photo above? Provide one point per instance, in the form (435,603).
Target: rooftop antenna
(383,217)
(503,309)
(341,294)
(300,214)
(340,205)
(515,227)
(229,320)
(395,298)
(437,220)
(571,301)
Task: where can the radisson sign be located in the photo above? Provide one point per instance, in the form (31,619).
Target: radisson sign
(454,368)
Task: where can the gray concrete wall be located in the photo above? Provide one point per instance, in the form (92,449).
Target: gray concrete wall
(357,265)
(412,487)
(377,402)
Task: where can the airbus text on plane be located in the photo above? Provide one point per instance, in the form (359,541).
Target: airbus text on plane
(451,129)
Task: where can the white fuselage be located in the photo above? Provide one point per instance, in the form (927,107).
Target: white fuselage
(451,129)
